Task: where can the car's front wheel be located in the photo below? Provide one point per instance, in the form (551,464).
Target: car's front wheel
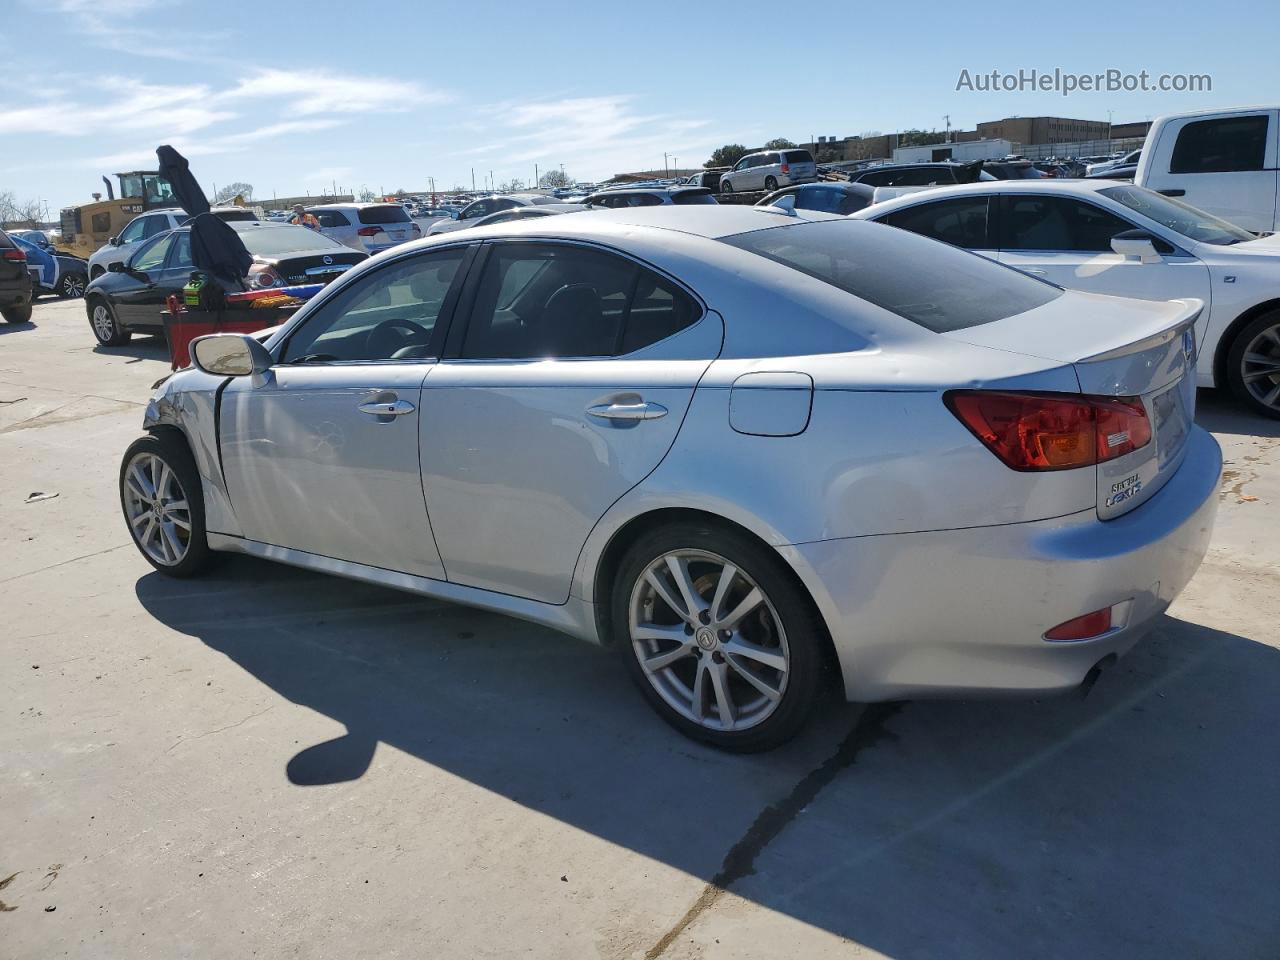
(106,328)
(721,639)
(72,285)
(163,504)
(1253,364)
(17,314)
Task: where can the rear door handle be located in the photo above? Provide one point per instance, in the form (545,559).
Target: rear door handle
(1173,193)
(391,408)
(1036,270)
(644,410)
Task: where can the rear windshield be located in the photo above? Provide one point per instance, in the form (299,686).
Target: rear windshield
(797,156)
(938,286)
(282,239)
(390,213)
(693,196)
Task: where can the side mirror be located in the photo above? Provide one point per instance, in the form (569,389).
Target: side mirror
(114,241)
(1136,243)
(116,266)
(230,355)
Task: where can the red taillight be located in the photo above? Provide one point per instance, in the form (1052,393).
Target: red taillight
(13,253)
(263,276)
(1082,628)
(786,168)
(369,231)
(1052,431)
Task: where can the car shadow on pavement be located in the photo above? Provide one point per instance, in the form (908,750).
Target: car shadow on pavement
(1220,412)
(7,327)
(1138,822)
(148,347)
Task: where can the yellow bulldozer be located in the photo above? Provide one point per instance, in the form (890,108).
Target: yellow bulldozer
(87,227)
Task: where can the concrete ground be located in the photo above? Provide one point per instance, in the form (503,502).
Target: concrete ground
(272,763)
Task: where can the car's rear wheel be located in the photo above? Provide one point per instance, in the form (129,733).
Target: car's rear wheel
(725,186)
(720,638)
(72,285)
(1253,364)
(106,328)
(17,314)
(771,183)
(163,504)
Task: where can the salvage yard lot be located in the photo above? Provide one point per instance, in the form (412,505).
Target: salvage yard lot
(272,762)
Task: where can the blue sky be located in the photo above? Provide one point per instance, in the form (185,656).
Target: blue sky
(291,96)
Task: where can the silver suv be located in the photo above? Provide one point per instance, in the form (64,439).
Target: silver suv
(770,170)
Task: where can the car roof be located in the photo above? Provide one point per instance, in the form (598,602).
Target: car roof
(1045,185)
(1215,111)
(712,221)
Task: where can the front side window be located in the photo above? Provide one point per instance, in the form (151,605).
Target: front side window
(929,283)
(152,257)
(961,222)
(1221,145)
(387,315)
(133,232)
(481,208)
(1058,223)
(549,300)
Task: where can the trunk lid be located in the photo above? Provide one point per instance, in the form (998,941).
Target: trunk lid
(1118,348)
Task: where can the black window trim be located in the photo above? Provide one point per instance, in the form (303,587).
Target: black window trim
(1000,235)
(438,333)
(461,319)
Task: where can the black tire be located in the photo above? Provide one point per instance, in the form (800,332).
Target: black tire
(96,271)
(771,183)
(106,328)
(19,314)
(1266,384)
(806,637)
(173,451)
(71,285)
(725,186)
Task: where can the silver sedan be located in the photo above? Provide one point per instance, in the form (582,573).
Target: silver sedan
(741,449)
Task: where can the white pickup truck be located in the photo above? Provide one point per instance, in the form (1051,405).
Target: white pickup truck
(1222,161)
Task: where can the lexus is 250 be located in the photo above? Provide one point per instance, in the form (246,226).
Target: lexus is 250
(739,448)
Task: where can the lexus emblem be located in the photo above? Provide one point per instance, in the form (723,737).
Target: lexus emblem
(328,259)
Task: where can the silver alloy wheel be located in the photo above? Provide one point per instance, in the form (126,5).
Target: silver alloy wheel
(156,507)
(708,640)
(103,325)
(73,286)
(1260,367)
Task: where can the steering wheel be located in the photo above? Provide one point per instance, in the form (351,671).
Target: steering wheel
(395,334)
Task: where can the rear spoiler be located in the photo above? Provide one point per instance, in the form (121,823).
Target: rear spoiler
(1184,323)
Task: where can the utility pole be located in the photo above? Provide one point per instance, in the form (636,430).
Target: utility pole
(666,170)
(947,118)
(473,179)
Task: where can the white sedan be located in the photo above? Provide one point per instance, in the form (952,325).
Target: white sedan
(737,447)
(1119,239)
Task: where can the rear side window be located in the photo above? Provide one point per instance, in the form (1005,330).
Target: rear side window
(547,300)
(929,283)
(1221,145)
(391,213)
(331,218)
(693,196)
(797,156)
(961,223)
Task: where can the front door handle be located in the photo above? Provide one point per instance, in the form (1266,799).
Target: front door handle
(1173,193)
(642,410)
(1036,270)
(391,408)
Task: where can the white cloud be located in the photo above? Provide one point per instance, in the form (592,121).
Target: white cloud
(227,143)
(130,106)
(591,136)
(306,92)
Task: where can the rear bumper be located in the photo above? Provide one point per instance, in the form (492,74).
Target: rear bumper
(963,612)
